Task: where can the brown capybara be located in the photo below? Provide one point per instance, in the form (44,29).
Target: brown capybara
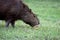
(12,10)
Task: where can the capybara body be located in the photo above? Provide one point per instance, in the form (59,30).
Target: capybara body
(12,10)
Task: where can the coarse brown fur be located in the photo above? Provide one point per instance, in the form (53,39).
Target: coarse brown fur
(12,10)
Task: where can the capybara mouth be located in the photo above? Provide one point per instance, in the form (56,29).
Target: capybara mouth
(36,27)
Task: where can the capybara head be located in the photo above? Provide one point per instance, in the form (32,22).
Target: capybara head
(29,17)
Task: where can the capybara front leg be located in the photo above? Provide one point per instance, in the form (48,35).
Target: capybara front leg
(13,23)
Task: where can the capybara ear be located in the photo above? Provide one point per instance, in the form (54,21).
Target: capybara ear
(30,10)
(23,6)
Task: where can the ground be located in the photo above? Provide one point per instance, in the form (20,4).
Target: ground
(48,12)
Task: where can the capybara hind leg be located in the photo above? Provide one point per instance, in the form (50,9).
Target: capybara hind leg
(7,23)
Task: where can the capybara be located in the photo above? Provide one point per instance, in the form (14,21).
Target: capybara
(12,10)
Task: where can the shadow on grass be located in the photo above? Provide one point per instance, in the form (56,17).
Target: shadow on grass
(1,25)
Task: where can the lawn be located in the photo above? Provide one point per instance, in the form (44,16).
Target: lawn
(48,12)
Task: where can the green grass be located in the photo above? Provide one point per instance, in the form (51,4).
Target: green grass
(48,12)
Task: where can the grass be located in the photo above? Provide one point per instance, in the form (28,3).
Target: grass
(48,12)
